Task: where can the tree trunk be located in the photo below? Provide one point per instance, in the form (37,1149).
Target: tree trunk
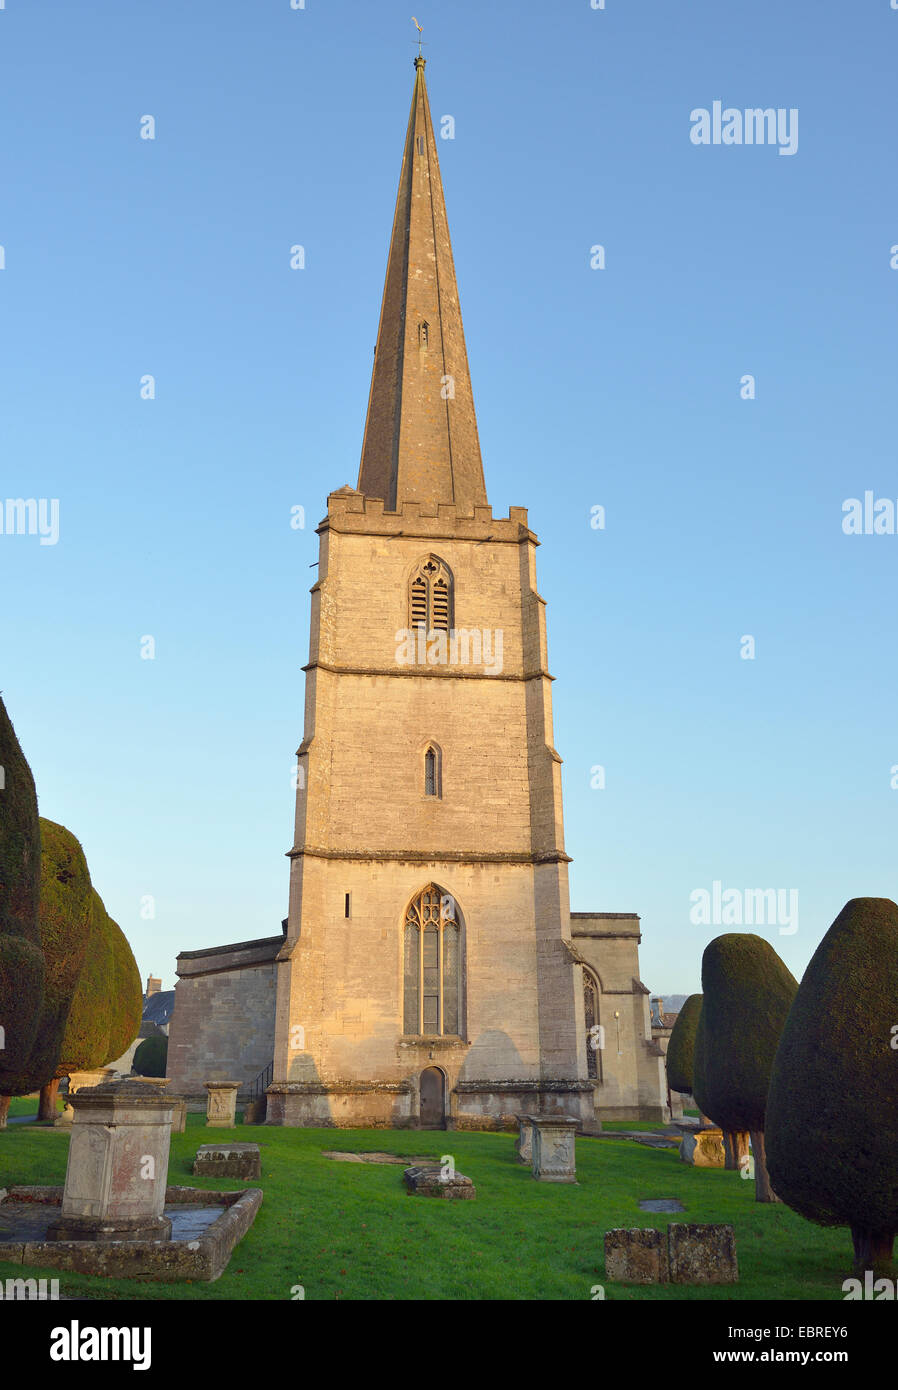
(47,1107)
(4,1110)
(735,1143)
(872,1249)
(763,1191)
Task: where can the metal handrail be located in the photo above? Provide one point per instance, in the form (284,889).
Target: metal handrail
(258,1087)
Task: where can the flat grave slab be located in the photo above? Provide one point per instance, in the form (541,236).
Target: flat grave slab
(428,1180)
(227,1160)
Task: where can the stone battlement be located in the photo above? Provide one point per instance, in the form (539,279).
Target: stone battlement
(351,511)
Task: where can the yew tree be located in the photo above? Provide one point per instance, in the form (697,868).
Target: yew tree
(747,994)
(65,908)
(681,1047)
(832,1113)
(21,958)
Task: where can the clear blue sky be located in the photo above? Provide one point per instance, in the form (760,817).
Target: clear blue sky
(618,388)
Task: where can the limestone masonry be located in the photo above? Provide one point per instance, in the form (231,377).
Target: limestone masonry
(430,971)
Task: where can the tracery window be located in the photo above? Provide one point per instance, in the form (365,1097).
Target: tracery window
(432,964)
(430,596)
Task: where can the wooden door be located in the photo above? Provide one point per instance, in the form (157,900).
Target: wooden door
(433,1109)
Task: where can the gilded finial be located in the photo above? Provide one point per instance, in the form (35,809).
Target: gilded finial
(420,43)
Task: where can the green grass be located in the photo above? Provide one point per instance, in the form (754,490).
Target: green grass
(631,1126)
(348,1231)
(27,1105)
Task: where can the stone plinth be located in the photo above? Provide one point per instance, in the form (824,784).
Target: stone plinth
(428,1180)
(228,1161)
(636,1256)
(523,1145)
(221,1107)
(553,1148)
(118,1164)
(78,1079)
(703,1149)
(702,1254)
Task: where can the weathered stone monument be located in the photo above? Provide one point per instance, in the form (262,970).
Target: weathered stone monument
(553,1148)
(77,1080)
(228,1161)
(686,1254)
(703,1148)
(118,1164)
(221,1107)
(432,1180)
(636,1256)
(524,1142)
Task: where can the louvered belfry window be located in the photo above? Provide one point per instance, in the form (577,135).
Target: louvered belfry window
(430,596)
(432,965)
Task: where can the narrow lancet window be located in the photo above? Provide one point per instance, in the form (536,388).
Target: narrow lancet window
(432,773)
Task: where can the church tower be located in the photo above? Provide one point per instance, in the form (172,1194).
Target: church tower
(428,974)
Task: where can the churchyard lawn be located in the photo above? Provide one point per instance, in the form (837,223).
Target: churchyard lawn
(338,1230)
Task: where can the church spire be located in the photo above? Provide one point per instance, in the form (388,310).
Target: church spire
(421,441)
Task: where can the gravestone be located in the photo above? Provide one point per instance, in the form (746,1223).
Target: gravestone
(524,1142)
(221,1107)
(432,1180)
(117,1166)
(703,1148)
(553,1148)
(78,1079)
(702,1254)
(228,1161)
(636,1256)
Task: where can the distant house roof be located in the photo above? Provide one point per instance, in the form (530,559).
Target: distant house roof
(158,1008)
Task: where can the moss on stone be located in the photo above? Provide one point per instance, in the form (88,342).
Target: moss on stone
(832,1114)
(681,1047)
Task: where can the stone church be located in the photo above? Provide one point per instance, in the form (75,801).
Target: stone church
(430,971)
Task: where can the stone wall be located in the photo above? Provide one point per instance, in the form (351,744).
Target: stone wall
(222,1028)
(633,1084)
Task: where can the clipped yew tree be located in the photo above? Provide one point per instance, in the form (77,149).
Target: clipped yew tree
(681,1047)
(747,994)
(65,908)
(85,1045)
(127,997)
(21,958)
(151,1057)
(832,1114)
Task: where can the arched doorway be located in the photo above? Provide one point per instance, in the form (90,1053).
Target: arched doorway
(433,1099)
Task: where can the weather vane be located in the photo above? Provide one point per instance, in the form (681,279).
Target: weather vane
(420,32)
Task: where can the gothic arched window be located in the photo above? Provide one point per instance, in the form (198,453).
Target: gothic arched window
(430,596)
(432,965)
(593,1027)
